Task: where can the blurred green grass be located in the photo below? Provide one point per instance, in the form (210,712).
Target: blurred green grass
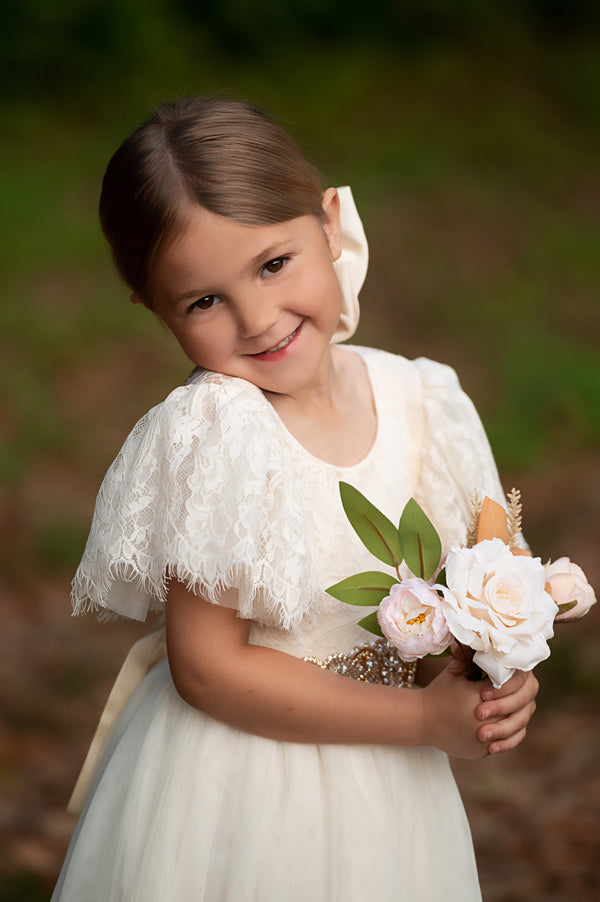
(477,177)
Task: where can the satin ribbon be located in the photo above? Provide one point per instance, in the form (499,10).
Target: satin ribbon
(139,662)
(351,266)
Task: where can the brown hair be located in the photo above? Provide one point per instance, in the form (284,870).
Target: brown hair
(229,157)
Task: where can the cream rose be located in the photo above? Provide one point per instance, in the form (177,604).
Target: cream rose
(496,603)
(411,620)
(568,583)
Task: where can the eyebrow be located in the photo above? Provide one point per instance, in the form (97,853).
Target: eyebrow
(188,297)
(269,253)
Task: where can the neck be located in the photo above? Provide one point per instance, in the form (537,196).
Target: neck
(324,390)
(336,421)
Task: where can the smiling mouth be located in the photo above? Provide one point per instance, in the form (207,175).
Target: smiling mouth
(282,344)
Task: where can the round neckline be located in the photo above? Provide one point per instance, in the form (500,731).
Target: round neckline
(291,438)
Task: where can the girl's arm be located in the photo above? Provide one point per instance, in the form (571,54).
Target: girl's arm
(273,694)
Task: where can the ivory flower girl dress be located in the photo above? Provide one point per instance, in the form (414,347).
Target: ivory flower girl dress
(212,489)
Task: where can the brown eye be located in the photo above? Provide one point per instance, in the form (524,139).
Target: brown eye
(275,265)
(205,303)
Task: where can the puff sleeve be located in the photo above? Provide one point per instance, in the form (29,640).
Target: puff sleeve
(202,491)
(456,458)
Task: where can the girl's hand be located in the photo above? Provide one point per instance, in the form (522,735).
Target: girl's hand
(507,711)
(450,720)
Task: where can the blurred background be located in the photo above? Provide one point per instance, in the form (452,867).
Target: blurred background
(470,135)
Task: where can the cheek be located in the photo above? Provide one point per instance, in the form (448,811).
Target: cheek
(321,292)
(203,345)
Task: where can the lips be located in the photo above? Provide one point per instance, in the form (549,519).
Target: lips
(284,343)
(279,348)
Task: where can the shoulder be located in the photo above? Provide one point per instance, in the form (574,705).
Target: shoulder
(208,397)
(421,371)
(208,409)
(427,391)
(436,375)
(208,437)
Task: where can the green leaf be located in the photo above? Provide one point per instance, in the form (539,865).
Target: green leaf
(420,542)
(441,578)
(367,588)
(567,606)
(376,532)
(371,623)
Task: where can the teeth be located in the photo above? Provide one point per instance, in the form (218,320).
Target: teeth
(282,344)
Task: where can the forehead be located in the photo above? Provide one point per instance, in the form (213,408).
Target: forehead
(210,250)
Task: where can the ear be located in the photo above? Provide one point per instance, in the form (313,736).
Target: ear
(331,226)
(137,299)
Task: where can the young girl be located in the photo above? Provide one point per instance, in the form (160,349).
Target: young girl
(238,771)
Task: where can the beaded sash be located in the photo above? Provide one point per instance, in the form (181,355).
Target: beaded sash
(372,662)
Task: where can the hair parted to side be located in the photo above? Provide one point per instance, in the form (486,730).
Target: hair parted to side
(226,156)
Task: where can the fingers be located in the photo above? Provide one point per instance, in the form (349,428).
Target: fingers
(506,733)
(504,707)
(517,680)
(507,712)
(507,745)
(488,693)
(501,705)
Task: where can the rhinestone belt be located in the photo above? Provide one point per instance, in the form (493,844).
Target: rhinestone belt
(373,662)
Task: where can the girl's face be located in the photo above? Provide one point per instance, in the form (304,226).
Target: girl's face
(258,302)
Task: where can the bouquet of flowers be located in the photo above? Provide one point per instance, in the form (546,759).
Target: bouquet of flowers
(490,596)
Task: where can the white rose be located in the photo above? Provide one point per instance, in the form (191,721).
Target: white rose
(496,603)
(411,620)
(568,583)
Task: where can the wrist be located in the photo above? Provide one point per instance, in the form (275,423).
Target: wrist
(428,722)
(421,732)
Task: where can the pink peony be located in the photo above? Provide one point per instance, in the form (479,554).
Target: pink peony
(411,620)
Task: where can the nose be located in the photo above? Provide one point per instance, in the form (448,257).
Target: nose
(256,314)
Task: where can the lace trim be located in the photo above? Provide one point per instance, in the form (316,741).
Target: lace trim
(202,491)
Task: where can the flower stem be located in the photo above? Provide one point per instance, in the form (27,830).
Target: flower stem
(473,671)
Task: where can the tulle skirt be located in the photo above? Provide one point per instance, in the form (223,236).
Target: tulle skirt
(186,809)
